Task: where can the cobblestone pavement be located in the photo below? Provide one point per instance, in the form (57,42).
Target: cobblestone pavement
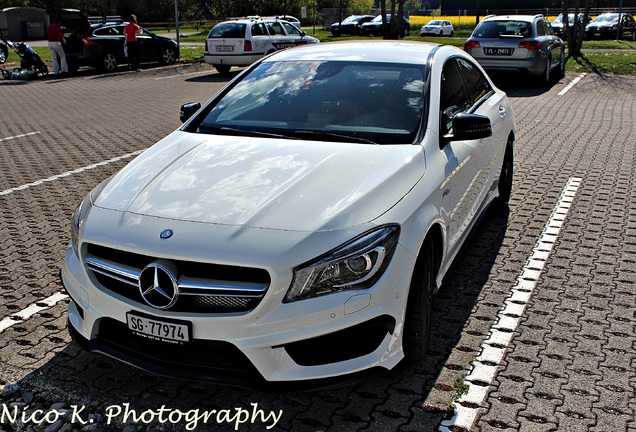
(571,365)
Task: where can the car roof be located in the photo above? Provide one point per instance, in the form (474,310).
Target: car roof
(529,18)
(371,51)
(254,20)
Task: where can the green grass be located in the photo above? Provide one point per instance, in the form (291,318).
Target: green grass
(606,56)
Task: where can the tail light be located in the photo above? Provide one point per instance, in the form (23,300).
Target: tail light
(471,44)
(87,41)
(530,45)
(247,45)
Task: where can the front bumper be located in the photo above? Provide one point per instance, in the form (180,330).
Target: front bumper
(304,343)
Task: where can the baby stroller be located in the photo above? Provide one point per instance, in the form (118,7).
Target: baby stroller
(29,59)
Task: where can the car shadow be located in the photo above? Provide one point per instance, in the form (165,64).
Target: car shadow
(520,85)
(417,394)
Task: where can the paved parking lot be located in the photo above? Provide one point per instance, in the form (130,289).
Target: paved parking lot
(563,300)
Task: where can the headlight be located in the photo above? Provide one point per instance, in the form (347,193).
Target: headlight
(81,212)
(77,221)
(357,264)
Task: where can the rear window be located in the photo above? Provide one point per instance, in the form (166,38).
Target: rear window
(499,29)
(228,30)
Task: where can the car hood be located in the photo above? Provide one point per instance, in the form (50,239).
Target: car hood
(264,183)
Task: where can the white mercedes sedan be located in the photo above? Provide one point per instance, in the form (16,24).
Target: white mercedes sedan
(295,228)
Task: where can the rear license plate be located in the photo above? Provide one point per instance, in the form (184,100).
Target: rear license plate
(224,48)
(498,51)
(162,330)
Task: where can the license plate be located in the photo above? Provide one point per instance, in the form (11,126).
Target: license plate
(224,48)
(162,330)
(498,51)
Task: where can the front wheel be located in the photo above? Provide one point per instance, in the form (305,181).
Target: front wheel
(505,177)
(168,56)
(417,327)
(109,62)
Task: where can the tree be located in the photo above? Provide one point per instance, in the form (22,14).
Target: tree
(575,34)
(395,28)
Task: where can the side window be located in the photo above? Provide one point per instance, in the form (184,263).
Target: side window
(291,30)
(549,29)
(478,85)
(454,98)
(274,28)
(259,30)
(540,29)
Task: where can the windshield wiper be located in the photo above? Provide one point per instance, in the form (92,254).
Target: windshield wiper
(245,132)
(330,136)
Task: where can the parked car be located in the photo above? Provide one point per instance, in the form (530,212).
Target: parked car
(350,25)
(438,28)
(104,47)
(374,27)
(522,43)
(605,26)
(75,26)
(294,229)
(557,24)
(242,42)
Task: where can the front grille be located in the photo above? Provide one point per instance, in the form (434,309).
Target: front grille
(203,287)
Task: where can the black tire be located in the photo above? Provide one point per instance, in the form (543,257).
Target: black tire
(562,64)
(223,69)
(73,67)
(506,177)
(168,56)
(109,62)
(441,33)
(452,34)
(417,327)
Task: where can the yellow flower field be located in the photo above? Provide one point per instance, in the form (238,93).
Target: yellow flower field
(457,20)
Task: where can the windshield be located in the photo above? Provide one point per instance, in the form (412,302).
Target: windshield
(434,23)
(323,100)
(606,18)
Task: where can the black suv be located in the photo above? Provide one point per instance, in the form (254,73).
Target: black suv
(605,26)
(104,47)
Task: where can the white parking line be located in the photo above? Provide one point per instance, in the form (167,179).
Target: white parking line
(34,308)
(69,173)
(572,84)
(19,136)
(181,75)
(485,366)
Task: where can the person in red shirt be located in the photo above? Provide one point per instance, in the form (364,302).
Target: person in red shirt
(56,46)
(131,31)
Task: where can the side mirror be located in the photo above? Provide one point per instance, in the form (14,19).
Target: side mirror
(468,127)
(187,110)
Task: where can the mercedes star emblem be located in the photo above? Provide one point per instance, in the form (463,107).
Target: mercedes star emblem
(158,284)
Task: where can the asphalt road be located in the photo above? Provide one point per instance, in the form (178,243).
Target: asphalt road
(537,315)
